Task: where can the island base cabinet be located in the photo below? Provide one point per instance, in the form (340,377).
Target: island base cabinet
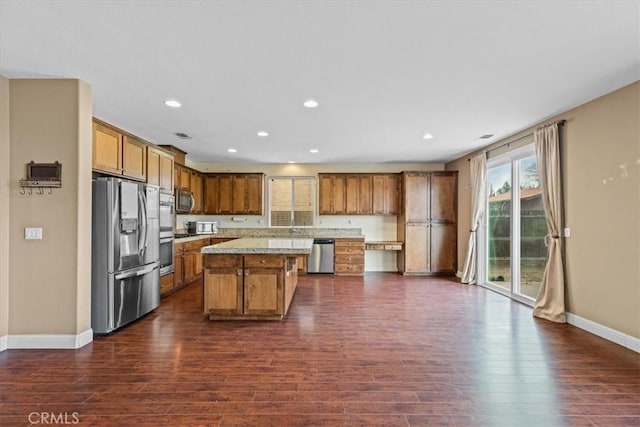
(263,292)
(248,286)
(222,287)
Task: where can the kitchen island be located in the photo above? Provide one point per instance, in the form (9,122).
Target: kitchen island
(251,278)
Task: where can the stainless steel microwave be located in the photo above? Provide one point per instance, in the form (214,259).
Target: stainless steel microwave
(184,201)
(202,227)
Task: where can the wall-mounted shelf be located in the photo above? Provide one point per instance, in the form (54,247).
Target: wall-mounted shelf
(41,176)
(47,184)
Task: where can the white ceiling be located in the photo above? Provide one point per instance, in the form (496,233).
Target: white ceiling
(384,72)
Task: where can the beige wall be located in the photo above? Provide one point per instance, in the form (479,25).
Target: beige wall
(50,279)
(4,210)
(601,162)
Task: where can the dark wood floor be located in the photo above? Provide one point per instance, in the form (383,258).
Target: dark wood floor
(380,350)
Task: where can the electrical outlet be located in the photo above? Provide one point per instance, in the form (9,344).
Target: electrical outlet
(567,232)
(33,233)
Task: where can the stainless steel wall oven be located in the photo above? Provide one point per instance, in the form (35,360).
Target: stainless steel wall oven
(166,255)
(167,210)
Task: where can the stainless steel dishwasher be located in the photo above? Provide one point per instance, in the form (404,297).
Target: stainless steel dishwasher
(321,257)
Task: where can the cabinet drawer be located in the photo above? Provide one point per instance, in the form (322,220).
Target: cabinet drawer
(347,259)
(222,261)
(375,246)
(178,248)
(349,250)
(393,247)
(349,268)
(263,261)
(349,242)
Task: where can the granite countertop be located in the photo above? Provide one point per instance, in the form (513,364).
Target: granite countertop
(267,232)
(288,233)
(253,245)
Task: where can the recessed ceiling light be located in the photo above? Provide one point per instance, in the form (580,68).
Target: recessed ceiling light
(428,136)
(290,161)
(172,103)
(263,133)
(313,150)
(232,150)
(310,103)
(487,136)
(182,135)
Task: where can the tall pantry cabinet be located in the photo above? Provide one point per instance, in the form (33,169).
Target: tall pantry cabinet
(427,223)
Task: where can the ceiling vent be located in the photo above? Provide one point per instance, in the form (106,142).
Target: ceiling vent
(182,135)
(487,136)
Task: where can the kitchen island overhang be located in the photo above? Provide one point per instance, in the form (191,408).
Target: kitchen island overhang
(251,278)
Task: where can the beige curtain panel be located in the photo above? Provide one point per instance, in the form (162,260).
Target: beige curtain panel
(550,300)
(478,172)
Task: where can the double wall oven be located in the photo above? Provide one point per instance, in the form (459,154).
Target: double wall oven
(167,205)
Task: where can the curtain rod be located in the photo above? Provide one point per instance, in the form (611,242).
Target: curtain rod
(559,122)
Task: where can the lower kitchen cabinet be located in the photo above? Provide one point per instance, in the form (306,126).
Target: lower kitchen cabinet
(187,263)
(349,257)
(223,285)
(248,286)
(166,283)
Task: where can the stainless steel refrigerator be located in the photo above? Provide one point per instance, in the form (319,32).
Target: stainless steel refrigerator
(125,270)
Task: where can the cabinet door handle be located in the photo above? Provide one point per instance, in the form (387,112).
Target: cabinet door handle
(246,272)
(239,272)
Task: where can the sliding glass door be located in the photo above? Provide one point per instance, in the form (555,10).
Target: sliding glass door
(514,254)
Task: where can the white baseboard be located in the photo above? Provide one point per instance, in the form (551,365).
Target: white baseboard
(4,343)
(605,332)
(50,341)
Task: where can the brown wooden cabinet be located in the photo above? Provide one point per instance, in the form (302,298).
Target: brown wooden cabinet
(230,194)
(116,153)
(160,168)
(182,177)
(134,158)
(223,285)
(187,262)
(196,187)
(107,149)
(332,194)
(249,286)
(166,283)
(385,194)
(358,194)
(349,256)
(427,224)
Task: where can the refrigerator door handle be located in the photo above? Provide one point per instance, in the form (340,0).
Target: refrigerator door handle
(142,244)
(137,272)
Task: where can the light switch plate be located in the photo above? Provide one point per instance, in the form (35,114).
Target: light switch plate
(33,233)
(567,232)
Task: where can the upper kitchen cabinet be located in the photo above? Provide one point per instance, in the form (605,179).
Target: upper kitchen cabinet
(415,203)
(196,188)
(385,194)
(359,194)
(117,153)
(107,149)
(233,194)
(160,168)
(332,194)
(134,158)
(181,177)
